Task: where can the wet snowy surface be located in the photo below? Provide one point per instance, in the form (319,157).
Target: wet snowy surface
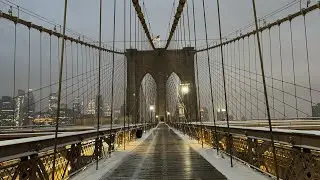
(149,158)
(221,162)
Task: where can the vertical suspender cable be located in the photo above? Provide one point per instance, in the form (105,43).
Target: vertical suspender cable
(59,89)
(307,57)
(66,74)
(124,74)
(209,66)
(184,30)
(271,69)
(50,64)
(256,73)
(78,98)
(82,79)
(112,81)
(40,64)
(265,90)
(86,71)
(14,71)
(224,81)
(239,84)
(99,88)
(130,5)
(244,79)
(249,72)
(135,31)
(281,70)
(72,83)
(188,24)
(29,71)
(196,62)
(293,68)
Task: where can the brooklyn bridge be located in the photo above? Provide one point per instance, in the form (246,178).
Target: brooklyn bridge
(172,89)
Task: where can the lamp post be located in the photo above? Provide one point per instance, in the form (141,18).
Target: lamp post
(151,108)
(168,116)
(185,89)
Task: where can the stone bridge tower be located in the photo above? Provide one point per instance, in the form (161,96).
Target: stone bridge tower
(160,65)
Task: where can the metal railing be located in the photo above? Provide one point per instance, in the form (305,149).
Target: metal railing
(31,158)
(298,152)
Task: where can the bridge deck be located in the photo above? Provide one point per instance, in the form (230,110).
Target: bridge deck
(163,155)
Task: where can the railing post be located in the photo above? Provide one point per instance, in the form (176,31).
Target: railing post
(249,150)
(31,167)
(98,148)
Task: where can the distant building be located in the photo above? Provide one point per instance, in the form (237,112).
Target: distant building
(204,114)
(91,108)
(99,102)
(7,111)
(107,111)
(117,113)
(221,114)
(63,114)
(30,106)
(316,110)
(53,104)
(20,111)
(76,108)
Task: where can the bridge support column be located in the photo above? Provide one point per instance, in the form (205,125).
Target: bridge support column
(132,86)
(160,65)
(187,72)
(161,97)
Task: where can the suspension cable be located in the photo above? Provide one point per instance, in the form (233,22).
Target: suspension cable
(281,69)
(99,87)
(112,82)
(293,67)
(124,72)
(265,90)
(209,66)
(307,58)
(14,70)
(189,33)
(196,63)
(175,21)
(142,21)
(59,88)
(224,81)
(29,71)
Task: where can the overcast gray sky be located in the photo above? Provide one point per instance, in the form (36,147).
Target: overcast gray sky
(83,18)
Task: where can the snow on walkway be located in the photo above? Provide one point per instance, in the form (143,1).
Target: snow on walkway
(239,171)
(107,164)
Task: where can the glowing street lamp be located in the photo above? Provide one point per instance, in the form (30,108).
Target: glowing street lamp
(185,88)
(152,109)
